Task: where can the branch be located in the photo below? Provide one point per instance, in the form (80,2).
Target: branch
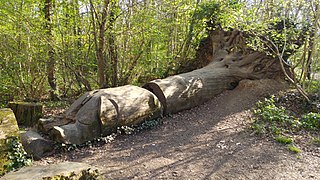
(281,61)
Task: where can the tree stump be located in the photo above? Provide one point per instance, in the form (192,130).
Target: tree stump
(27,114)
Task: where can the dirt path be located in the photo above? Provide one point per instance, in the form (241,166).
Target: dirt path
(212,141)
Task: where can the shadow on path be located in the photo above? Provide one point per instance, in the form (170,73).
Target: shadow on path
(211,141)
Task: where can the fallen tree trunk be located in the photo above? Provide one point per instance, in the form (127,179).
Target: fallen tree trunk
(188,90)
(99,113)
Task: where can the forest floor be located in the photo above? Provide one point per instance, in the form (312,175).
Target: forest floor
(212,141)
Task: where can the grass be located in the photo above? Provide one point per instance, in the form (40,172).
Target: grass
(294,149)
(284,140)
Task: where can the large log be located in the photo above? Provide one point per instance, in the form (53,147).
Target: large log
(188,90)
(100,112)
(191,89)
(223,59)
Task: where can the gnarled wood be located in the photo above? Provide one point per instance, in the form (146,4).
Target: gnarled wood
(227,61)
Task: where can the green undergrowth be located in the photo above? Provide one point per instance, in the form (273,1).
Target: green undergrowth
(284,117)
(284,140)
(316,141)
(313,86)
(17,157)
(56,104)
(294,149)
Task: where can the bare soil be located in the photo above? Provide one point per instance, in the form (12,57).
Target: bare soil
(212,141)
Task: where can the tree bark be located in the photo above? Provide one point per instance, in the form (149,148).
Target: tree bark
(51,62)
(112,46)
(100,42)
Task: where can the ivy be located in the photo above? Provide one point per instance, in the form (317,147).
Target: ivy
(16,155)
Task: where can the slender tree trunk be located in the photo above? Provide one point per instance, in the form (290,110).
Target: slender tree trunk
(100,42)
(51,61)
(113,47)
(114,60)
(190,34)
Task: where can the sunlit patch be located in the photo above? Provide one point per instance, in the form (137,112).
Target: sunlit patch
(195,86)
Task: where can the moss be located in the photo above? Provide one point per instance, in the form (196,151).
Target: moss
(8,128)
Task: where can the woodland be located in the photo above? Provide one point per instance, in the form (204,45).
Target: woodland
(135,64)
(53,50)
